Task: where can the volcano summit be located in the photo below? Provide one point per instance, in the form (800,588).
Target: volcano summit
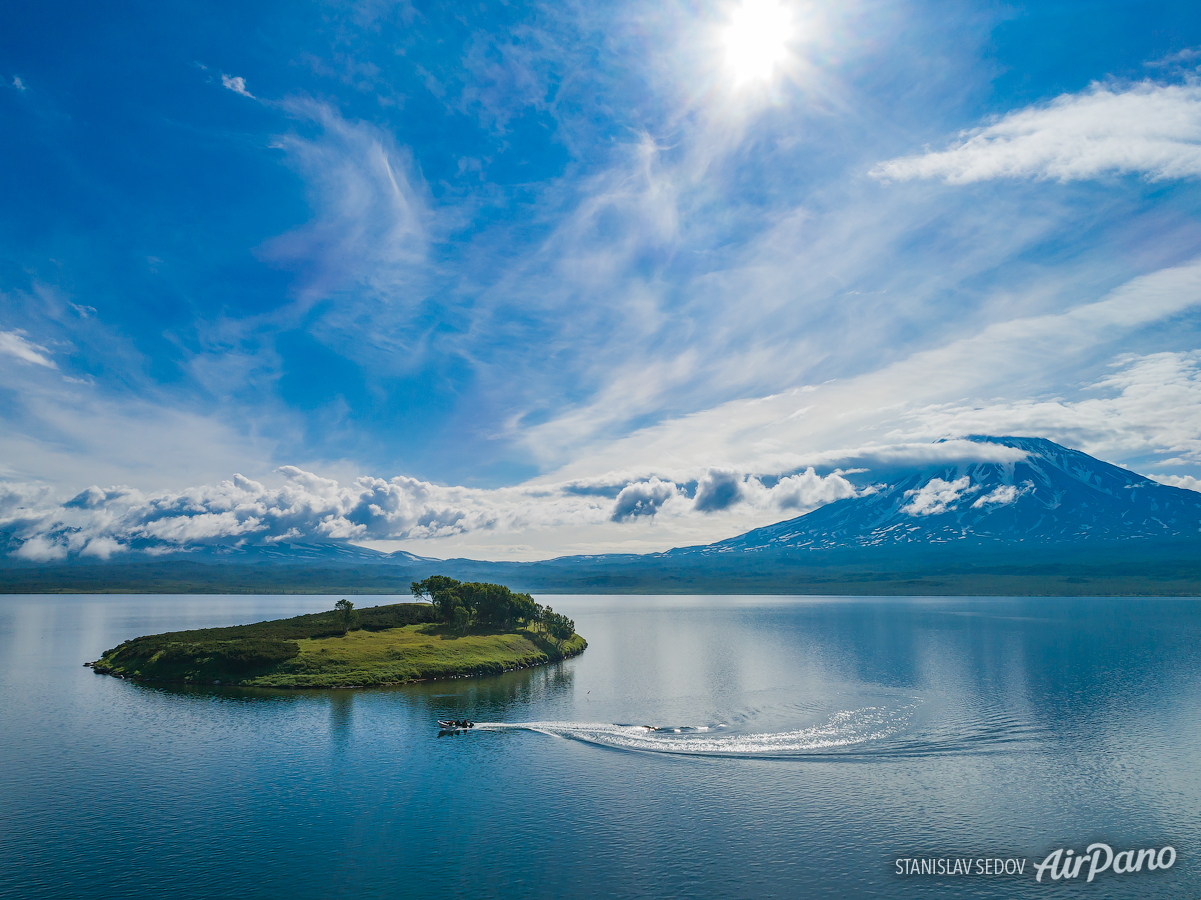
(1048,494)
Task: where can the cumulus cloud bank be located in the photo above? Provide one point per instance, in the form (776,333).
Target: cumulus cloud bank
(242,512)
(306,507)
(1147,128)
(643,498)
(809,490)
(1188,482)
(718,489)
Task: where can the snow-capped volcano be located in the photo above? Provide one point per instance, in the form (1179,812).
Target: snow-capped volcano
(1050,495)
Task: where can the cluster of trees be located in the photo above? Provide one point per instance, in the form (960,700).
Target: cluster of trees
(479,604)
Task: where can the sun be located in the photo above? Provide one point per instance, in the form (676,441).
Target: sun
(756,39)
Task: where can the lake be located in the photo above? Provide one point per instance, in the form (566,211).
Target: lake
(801,746)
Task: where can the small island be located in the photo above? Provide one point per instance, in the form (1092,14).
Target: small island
(465,629)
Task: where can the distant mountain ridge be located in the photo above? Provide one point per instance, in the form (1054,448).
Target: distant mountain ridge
(1053,522)
(1052,495)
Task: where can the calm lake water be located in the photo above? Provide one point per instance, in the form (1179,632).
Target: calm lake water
(803,745)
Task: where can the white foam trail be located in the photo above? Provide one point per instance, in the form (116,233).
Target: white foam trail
(843,729)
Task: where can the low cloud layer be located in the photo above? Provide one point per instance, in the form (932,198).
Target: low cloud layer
(35,525)
(1148,129)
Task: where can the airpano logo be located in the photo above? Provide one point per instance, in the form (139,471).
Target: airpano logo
(1066,864)
(1059,865)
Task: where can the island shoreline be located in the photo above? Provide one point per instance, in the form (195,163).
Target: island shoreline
(100,669)
(400,643)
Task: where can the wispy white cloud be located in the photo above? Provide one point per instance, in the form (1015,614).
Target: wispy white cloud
(1148,129)
(643,305)
(236,83)
(70,433)
(633,494)
(1131,404)
(15,344)
(372,211)
(1149,406)
(1003,495)
(18,83)
(1185,59)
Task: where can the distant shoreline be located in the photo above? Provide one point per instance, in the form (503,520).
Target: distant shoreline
(1172,578)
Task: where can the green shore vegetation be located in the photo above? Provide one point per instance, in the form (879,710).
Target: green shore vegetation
(469,629)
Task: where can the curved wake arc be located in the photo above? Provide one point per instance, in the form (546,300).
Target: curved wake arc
(844,729)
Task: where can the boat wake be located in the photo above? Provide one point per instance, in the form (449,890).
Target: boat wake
(844,730)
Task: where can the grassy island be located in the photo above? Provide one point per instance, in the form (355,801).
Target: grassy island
(469,629)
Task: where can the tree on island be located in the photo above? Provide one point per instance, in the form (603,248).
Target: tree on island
(345,610)
(559,627)
(479,604)
(427,588)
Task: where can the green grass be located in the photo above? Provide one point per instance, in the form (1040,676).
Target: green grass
(411,653)
(309,651)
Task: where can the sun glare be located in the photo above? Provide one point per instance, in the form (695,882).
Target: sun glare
(756,39)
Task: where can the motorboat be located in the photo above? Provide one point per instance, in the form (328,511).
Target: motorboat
(455,724)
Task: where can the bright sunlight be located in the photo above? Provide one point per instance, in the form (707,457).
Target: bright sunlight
(756,39)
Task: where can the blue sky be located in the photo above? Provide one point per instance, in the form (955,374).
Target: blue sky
(452,278)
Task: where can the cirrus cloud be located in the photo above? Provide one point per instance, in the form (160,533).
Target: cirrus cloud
(1147,128)
(15,344)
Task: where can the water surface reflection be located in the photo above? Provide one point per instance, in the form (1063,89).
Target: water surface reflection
(798,746)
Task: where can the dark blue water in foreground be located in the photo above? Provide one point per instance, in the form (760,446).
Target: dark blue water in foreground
(818,741)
